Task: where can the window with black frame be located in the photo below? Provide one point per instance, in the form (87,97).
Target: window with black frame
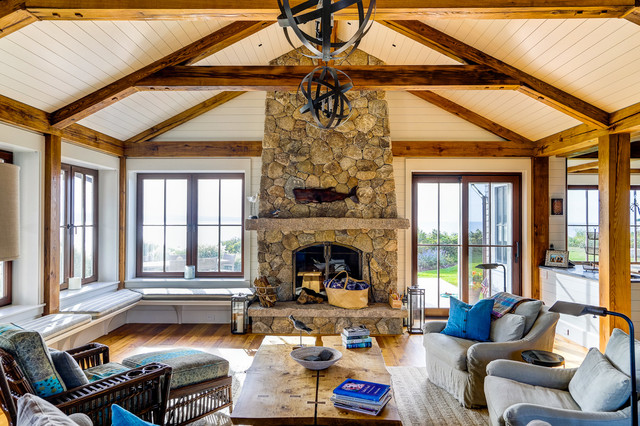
(5,267)
(191,219)
(78,224)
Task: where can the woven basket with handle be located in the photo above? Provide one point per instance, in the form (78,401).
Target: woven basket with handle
(343,298)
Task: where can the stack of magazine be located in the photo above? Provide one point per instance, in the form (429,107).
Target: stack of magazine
(356,337)
(362,397)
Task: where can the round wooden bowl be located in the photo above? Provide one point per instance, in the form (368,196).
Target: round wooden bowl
(300,354)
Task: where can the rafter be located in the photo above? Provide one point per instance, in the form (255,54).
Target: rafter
(634,16)
(183,117)
(383,77)
(593,165)
(470,116)
(27,117)
(268,9)
(461,149)
(531,86)
(123,87)
(14,16)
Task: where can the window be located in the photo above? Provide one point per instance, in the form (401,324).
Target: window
(5,267)
(78,224)
(190,219)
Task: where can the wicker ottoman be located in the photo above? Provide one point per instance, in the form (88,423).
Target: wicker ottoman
(200,382)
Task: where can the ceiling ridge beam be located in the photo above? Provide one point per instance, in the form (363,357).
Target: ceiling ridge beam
(531,86)
(14,16)
(124,86)
(31,118)
(367,77)
(470,116)
(183,117)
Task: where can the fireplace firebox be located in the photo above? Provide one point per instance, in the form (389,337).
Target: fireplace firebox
(328,258)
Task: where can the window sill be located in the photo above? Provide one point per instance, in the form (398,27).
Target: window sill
(182,283)
(88,288)
(15,313)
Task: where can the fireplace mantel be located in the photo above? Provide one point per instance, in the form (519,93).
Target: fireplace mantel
(323,224)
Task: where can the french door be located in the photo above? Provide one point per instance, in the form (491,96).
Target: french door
(465,237)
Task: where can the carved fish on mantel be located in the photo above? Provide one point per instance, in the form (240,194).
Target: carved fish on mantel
(317,195)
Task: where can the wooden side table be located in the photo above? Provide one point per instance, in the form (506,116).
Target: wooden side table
(543,358)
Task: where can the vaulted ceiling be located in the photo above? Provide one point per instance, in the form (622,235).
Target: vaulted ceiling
(590,65)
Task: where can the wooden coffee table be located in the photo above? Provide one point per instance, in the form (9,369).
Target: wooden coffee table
(279,391)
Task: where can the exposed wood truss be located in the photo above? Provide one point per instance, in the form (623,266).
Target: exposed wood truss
(634,17)
(531,86)
(124,87)
(14,16)
(51,218)
(470,116)
(461,149)
(31,118)
(183,117)
(195,149)
(268,9)
(591,168)
(383,77)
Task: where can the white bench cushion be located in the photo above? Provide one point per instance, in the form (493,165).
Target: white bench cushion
(54,325)
(171,293)
(105,304)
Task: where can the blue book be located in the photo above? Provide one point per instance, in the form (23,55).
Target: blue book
(364,390)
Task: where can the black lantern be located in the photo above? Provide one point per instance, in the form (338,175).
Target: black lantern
(415,297)
(325,96)
(239,316)
(321,12)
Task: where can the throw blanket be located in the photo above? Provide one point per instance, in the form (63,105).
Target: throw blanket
(503,303)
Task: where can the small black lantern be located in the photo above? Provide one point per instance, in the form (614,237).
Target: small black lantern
(239,315)
(416,310)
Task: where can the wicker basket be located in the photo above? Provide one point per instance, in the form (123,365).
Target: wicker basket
(343,298)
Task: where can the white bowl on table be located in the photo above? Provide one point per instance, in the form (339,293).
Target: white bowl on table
(300,354)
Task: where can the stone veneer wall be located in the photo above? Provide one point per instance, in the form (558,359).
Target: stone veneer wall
(296,154)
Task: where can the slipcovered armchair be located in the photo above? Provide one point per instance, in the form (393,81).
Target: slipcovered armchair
(459,365)
(519,394)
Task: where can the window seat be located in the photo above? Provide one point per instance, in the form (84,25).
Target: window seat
(105,305)
(190,294)
(51,326)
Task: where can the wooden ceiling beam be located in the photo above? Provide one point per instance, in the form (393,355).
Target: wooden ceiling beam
(531,86)
(470,116)
(383,77)
(593,165)
(124,87)
(152,149)
(268,9)
(461,149)
(183,117)
(30,118)
(634,16)
(14,16)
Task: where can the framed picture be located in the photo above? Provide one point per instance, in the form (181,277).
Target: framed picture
(558,258)
(557,206)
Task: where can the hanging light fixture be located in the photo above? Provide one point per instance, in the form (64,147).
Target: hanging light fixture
(324,93)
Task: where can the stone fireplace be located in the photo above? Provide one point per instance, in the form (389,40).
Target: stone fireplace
(296,154)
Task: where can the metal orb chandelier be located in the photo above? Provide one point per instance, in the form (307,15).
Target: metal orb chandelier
(321,11)
(326,97)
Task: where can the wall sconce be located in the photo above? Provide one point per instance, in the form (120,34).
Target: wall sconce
(9,212)
(416,310)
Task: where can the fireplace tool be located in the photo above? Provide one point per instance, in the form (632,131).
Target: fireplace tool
(372,298)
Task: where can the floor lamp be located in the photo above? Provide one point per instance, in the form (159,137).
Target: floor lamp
(577,309)
(494,266)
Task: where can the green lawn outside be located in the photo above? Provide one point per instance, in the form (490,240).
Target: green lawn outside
(577,254)
(449,274)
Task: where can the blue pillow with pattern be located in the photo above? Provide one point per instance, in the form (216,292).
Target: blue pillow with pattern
(472,322)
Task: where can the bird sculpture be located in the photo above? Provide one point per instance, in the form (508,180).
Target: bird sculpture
(300,326)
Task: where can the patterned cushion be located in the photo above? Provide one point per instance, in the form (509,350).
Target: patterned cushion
(31,354)
(68,368)
(190,366)
(103,371)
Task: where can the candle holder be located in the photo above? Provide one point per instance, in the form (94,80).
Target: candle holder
(239,315)
(415,298)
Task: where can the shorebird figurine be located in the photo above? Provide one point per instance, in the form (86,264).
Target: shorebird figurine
(300,326)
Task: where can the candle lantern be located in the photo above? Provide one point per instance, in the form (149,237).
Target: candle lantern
(415,298)
(239,316)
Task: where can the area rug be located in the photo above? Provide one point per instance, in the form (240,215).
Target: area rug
(420,402)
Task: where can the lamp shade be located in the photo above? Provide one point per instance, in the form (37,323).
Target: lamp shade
(9,211)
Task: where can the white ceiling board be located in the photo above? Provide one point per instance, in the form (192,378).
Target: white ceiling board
(413,119)
(49,64)
(593,59)
(513,110)
(392,47)
(141,111)
(240,119)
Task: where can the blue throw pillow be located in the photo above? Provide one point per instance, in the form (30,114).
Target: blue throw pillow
(121,417)
(469,322)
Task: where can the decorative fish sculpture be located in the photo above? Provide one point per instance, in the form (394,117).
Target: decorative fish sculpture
(328,195)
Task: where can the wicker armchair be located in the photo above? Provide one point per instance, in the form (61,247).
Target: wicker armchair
(143,391)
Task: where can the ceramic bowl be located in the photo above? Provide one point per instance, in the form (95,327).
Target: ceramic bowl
(300,354)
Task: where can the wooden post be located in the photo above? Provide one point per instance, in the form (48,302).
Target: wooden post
(540,219)
(122,219)
(613,184)
(52,164)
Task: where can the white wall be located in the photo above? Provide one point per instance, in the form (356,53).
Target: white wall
(558,189)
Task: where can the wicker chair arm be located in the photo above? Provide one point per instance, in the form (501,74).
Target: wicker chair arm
(126,389)
(90,355)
